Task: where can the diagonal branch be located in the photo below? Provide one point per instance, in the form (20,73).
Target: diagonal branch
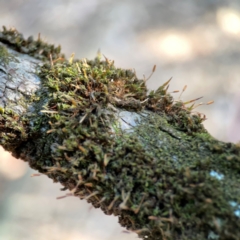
(136,154)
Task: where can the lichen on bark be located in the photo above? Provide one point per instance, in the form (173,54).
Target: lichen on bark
(136,154)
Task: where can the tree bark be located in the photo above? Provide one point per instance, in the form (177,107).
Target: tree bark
(136,154)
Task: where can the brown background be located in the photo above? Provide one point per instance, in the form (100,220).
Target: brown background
(195,42)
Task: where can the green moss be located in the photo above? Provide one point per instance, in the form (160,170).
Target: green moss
(155,178)
(154,185)
(13,130)
(36,48)
(4,55)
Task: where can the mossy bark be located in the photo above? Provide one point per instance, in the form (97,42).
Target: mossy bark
(136,154)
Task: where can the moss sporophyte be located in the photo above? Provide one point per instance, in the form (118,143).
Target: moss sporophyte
(139,155)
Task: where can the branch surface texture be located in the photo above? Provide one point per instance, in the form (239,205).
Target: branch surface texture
(134,153)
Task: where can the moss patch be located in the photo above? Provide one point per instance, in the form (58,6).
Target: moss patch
(4,55)
(36,48)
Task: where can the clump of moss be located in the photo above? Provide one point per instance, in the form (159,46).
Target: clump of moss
(36,48)
(4,55)
(13,130)
(155,178)
(151,193)
(176,113)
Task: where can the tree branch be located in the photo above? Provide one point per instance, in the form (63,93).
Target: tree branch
(136,154)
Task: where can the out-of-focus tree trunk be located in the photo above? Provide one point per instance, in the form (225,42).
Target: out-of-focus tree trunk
(97,130)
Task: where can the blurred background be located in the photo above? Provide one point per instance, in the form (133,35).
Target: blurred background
(195,42)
